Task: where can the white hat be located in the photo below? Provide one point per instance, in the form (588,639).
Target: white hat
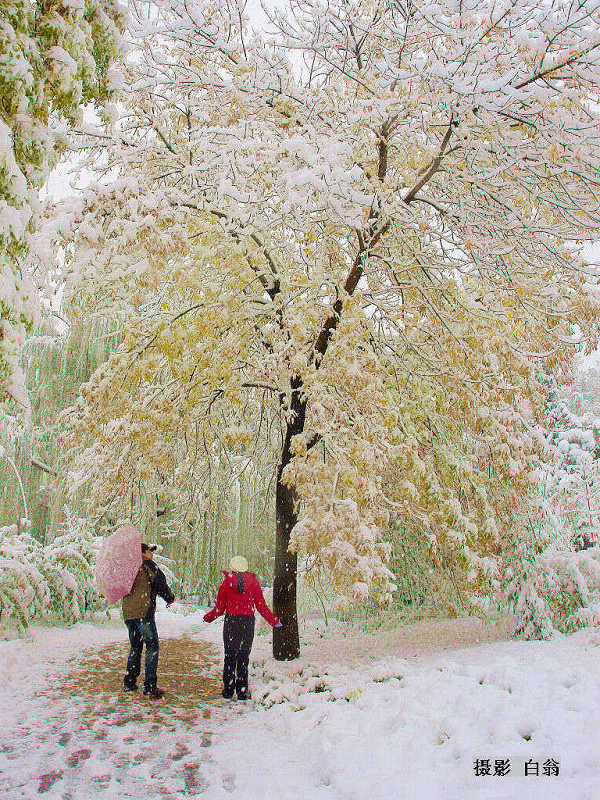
(238,564)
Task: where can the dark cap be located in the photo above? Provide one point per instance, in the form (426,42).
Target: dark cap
(145,547)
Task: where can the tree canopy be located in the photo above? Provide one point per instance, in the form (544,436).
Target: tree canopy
(350,248)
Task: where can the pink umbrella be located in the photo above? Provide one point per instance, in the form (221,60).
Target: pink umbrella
(118,562)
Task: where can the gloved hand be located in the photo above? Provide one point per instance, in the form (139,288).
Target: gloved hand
(279,625)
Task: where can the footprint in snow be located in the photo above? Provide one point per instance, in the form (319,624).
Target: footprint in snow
(79,755)
(229,783)
(48,780)
(101,781)
(180,751)
(195,783)
(206,739)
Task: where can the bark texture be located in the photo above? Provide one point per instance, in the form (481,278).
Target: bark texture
(286,642)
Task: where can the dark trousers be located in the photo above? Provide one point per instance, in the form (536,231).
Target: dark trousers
(142,631)
(238,633)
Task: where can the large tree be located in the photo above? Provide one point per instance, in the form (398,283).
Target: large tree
(349,263)
(55,58)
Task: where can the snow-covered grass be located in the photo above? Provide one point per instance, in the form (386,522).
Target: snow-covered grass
(400,714)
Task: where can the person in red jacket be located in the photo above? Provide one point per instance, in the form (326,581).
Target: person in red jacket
(239,593)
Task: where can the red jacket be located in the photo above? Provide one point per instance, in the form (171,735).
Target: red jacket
(230,601)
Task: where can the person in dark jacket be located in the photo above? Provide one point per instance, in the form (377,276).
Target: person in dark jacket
(138,612)
(239,593)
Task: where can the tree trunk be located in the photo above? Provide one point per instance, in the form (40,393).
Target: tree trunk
(286,642)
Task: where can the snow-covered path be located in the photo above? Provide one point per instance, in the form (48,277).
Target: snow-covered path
(400,715)
(68,732)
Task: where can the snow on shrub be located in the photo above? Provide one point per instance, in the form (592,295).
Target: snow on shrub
(573,587)
(554,591)
(23,589)
(295,684)
(52,582)
(552,571)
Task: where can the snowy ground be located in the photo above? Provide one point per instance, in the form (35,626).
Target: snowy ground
(396,715)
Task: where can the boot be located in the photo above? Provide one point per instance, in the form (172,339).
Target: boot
(154,693)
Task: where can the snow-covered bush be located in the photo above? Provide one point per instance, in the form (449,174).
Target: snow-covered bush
(53,582)
(523,588)
(554,591)
(570,478)
(295,684)
(551,575)
(68,568)
(23,588)
(572,588)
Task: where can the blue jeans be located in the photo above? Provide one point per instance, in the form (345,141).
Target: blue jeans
(142,631)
